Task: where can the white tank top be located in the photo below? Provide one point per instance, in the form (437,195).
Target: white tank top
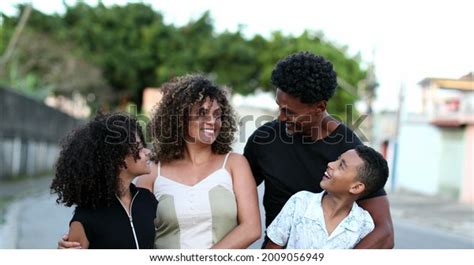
(195,216)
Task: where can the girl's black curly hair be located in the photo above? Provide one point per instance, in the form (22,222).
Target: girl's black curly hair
(169,122)
(88,167)
(306,76)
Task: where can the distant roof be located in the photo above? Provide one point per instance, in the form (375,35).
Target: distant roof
(464,83)
(452,122)
(469,76)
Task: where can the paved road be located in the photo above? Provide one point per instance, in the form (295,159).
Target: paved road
(409,235)
(42,222)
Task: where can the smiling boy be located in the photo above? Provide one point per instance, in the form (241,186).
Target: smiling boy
(332,218)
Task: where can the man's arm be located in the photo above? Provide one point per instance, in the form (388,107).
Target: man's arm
(272,245)
(382,236)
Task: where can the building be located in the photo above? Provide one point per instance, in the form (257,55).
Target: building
(436,145)
(76,106)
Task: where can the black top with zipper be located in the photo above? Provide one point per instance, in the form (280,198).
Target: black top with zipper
(112,228)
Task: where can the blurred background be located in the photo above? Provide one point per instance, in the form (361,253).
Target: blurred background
(405,74)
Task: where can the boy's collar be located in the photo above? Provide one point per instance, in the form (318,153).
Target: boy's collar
(315,213)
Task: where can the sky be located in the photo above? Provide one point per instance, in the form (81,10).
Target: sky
(406,40)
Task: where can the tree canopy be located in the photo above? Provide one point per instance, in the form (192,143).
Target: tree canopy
(117,51)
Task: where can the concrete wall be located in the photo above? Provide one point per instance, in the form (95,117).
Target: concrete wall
(29,134)
(451,162)
(419,158)
(436,161)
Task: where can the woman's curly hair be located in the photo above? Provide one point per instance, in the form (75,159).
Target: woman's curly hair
(306,76)
(88,167)
(169,122)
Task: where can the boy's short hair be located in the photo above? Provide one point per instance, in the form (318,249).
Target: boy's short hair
(374,172)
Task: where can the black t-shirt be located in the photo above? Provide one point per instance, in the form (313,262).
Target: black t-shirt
(292,163)
(110,227)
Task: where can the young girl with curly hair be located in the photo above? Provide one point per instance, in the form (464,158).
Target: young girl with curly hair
(94,172)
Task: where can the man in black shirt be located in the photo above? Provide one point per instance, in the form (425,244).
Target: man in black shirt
(291,154)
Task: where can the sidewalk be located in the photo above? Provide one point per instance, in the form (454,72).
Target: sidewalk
(12,195)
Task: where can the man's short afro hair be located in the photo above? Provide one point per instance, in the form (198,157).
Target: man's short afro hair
(306,76)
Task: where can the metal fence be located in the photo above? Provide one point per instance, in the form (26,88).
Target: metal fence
(29,134)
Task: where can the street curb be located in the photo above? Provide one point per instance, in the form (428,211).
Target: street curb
(9,230)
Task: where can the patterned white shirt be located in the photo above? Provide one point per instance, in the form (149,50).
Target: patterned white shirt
(301,225)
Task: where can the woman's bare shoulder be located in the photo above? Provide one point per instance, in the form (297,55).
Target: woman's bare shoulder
(236,158)
(237,163)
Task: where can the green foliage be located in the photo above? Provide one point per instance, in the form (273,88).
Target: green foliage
(134,49)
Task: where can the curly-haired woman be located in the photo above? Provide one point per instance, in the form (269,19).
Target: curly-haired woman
(94,172)
(207,195)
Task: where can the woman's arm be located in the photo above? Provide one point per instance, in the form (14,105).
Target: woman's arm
(382,236)
(77,234)
(249,228)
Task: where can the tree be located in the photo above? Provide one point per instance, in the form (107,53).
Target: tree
(113,39)
(133,48)
(41,66)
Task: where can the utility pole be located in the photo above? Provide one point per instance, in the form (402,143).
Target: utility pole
(367,89)
(401,97)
